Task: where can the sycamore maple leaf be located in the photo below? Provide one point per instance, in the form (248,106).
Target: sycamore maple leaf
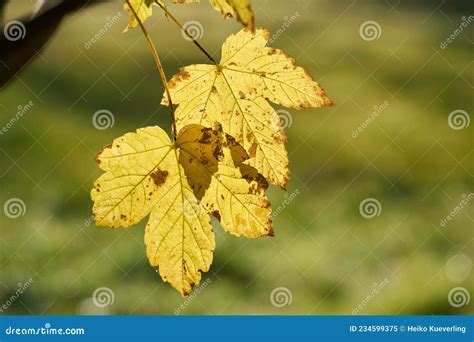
(239,9)
(235,94)
(178,184)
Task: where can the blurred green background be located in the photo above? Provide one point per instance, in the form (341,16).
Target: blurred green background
(326,255)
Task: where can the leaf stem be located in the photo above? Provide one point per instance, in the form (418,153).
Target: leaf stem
(183,29)
(158,65)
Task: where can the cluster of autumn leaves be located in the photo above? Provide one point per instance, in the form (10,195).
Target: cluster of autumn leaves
(229,145)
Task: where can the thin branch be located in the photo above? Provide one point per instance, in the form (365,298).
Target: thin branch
(159,66)
(183,29)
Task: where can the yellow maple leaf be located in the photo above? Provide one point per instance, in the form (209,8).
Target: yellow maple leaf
(235,94)
(143,175)
(178,184)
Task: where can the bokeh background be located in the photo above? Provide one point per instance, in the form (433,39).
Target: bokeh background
(413,161)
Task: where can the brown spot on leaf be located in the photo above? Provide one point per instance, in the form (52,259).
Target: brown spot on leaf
(217,153)
(249,136)
(241,94)
(253,189)
(206,136)
(280,137)
(159,177)
(123,217)
(253,150)
(97,156)
(216,214)
(181,75)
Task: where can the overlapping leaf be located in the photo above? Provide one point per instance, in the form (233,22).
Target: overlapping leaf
(239,9)
(235,94)
(178,184)
(236,197)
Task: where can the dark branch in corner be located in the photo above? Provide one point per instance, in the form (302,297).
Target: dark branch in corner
(25,41)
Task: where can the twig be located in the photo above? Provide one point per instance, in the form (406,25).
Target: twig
(183,29)
(159,66)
